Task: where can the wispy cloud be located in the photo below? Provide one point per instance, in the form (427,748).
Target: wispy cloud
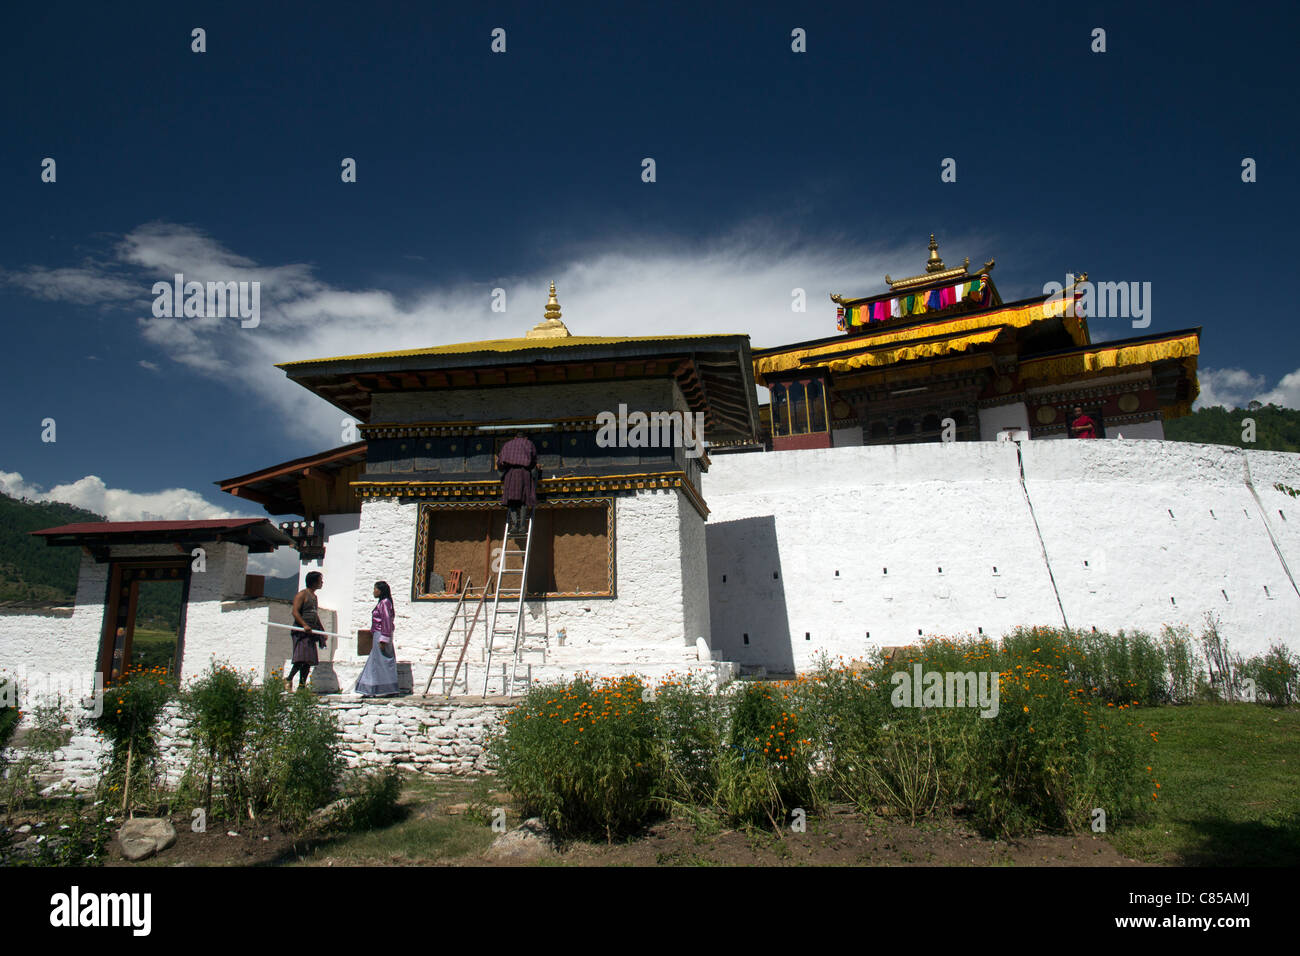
(740,282)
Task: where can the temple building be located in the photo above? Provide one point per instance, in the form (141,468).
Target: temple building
(618,543)
(943,349)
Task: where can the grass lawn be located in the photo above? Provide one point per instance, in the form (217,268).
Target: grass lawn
(1228,788)
(426,834)
(158,647)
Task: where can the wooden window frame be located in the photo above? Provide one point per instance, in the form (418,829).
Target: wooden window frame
(427,509)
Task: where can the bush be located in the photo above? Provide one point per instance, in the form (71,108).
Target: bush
(297,762)
(1276,675)
(1224,666)
(373,801)
(1063,741)
(768,770)
(133,707)
(10,715)
(583,756)
(1055,750)
(218,706)
(691,729)
(1181,667)
(262,750)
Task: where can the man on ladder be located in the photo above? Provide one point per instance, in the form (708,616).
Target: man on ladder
(517,463)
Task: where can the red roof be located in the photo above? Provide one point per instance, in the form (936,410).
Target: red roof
(138,527)
(258,534)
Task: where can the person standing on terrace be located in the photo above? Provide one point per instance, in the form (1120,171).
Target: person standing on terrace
(306,640)
(379,679)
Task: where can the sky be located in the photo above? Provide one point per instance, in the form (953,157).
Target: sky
(775,169)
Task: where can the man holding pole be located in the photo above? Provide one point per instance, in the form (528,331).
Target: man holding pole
(305,641)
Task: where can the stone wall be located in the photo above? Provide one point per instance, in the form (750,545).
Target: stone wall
(431,736)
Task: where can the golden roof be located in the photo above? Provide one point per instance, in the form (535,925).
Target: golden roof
(524,344)
(1014,316)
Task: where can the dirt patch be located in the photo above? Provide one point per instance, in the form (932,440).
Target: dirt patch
(443,816)
(252,845)
(846,839)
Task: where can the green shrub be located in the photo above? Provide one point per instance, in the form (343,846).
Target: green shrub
(768,770)
(10,715)
(1055,750)
(82,843)
(1182,670)
(299,742)
(691,731)
(1276,675)
(133,707)
(1224,666)
(584,756)
(373,800)
(218,706)
(262,751)
(1065,740)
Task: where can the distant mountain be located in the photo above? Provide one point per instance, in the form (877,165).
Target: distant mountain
(30,570)
(281,587)
(1276,428)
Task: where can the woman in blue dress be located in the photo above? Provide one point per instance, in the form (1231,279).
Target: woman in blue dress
(379,679)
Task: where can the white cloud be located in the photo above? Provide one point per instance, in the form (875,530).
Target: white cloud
(118,504)
(737,283)
(145,363)
(280,563)
(1285,393)
(1236,388)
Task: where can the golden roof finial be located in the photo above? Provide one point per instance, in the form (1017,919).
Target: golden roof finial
(550,327)
(552,305)
(935,264)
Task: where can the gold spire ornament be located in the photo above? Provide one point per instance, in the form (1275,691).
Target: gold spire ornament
(934,264)
(550,327)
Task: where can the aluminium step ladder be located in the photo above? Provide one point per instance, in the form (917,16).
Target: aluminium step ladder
(467,626)
(507,618)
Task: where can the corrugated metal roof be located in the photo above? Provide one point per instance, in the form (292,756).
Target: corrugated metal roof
(511,345)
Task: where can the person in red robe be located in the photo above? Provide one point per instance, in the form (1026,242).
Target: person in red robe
(517,462)
(1082,426)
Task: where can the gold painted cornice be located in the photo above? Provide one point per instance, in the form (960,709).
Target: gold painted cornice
(578,484)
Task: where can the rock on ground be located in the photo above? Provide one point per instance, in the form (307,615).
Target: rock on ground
(142,837)
(529,840)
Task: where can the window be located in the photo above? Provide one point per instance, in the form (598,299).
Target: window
(798,407)
(572,548)
(780,413)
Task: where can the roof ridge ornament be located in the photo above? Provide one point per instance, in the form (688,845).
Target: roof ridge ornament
(550,327)
(936,271)
(934,263)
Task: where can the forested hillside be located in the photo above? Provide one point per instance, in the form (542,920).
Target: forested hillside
(1276,428)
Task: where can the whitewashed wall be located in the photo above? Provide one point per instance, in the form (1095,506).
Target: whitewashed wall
(942,517)
(652,624)
(59,653)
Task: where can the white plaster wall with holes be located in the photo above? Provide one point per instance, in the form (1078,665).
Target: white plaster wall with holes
(945,539)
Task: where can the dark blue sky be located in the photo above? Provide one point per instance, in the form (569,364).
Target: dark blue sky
(478,170)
